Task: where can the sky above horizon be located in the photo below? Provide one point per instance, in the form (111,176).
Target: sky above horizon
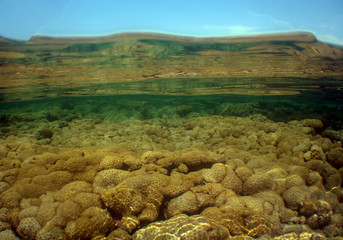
(21,19)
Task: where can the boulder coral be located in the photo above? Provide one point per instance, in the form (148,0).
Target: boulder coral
(202,178)
(183,227)
(93,222)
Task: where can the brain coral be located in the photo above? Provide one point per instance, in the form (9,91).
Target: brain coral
(28,228)
(137,198)
(10,198)
(111,162)
(185,203)
(180,183)
(256,183)
(295,197)
(52,181)
(191,158)
(46,211)
(244,173)
(50,231)
(294,180)
(86,200)
(30,211)
(182,227)
(231,181)
(270,188)
(277,173)
(124,200)
(321,217)
(8,234)
(240,220)
(198,197)
(335,157)
(215,174)
(71,189)
(108,178)
(69,210)
(93,222)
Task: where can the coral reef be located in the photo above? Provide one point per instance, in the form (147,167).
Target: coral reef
(183,227)
(208,178)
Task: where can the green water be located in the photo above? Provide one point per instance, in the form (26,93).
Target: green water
(117,108)
(322,88)
(177,98)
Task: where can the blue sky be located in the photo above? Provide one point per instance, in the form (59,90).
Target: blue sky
(21,19)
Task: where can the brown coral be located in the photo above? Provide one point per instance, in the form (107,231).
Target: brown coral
(137,195)
(108,178)
(93,222)
(185,203)
(71,189)
(215,174)
(28,228)
(256,183)
(183,227)
(50,231)
(296,196)
(231,181)
(241,181)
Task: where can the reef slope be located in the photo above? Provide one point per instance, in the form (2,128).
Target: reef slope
(202,178)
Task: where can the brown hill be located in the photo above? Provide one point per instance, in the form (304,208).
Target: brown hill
(291,36)
(53,62)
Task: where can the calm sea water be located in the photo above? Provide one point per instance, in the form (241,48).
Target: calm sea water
(280,99)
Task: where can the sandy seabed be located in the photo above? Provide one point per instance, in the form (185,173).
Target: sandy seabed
(201,178)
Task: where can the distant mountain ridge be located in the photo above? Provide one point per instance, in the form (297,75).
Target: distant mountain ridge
(8,40)
(46,62)
(289,36)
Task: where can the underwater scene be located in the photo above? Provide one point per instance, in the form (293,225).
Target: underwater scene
(154,136)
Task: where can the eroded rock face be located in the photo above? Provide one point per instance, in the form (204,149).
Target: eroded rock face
(122,192)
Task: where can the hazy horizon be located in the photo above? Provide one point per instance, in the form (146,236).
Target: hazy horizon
(21,19)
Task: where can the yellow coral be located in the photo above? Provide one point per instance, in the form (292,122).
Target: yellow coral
(231,181)
(182,226)
(86,193)
(71,189)
(93,221)
(28,228)
(257,182)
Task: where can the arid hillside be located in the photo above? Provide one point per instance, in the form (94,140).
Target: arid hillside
(50,62)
